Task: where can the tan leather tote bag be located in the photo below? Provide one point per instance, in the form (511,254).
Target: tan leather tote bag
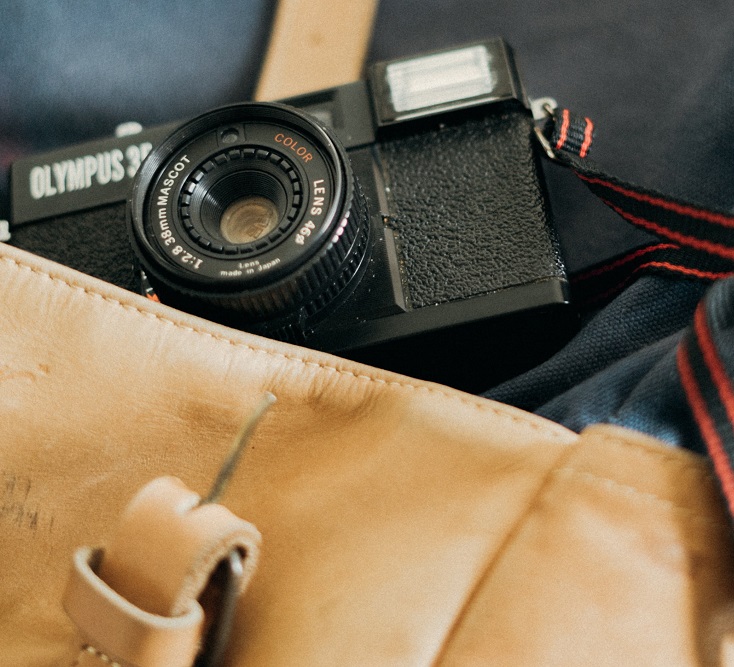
(402,522)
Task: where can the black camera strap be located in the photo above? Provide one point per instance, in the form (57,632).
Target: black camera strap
(695,243)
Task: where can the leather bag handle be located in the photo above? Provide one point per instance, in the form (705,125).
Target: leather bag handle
(315,45)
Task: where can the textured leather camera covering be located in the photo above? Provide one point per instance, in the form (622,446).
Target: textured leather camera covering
(468,208)
(402,522)
(94,242)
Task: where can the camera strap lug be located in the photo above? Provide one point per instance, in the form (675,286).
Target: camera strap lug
(559,129)
(544,143)
(4,231)
(543,109)
(692,241)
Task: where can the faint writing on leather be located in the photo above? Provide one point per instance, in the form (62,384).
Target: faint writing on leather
(13,372)
(16,506)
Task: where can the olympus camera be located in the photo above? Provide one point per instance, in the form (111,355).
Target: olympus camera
(401,220)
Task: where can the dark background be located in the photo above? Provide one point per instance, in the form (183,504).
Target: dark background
(656,78)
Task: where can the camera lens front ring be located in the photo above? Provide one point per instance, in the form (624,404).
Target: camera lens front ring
(251,209)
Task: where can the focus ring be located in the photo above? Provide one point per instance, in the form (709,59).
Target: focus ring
(276,269)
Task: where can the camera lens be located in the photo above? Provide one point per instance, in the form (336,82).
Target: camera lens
(250,209)
(240,207)
(248,219)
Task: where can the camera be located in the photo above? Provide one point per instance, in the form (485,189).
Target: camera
(401,220)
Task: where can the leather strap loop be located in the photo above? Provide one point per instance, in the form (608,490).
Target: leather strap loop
(136,602)
(165,547)
(129,635)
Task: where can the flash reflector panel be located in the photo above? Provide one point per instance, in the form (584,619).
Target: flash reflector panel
(443,77)
(444,81)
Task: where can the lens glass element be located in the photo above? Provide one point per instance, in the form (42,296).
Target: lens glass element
(248,219)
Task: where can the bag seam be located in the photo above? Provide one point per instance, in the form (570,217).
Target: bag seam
(724,527)
(640,496)
(677,455)
(475,402)
(443,652)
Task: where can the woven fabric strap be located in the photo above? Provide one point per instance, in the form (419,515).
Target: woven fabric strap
(694,243)
(705,362)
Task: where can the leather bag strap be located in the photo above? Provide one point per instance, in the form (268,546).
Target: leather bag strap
(315,45)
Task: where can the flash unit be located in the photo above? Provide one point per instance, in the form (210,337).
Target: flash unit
(443,77)
(445,81)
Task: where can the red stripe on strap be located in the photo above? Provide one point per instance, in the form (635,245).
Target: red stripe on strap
(691,241)
(564,129)
(681,209)
(713,363)
(624,260)
(674,268)
(688,271)
(706,425)
(588,133)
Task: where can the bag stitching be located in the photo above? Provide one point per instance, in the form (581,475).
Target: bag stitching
(87,648)
(674,456)
(638,495)
(551,432)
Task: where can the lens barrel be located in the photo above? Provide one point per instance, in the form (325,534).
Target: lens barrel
(250,209)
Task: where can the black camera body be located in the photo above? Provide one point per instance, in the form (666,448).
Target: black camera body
(401,220)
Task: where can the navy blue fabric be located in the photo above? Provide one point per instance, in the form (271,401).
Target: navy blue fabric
(71,72)
(621,367)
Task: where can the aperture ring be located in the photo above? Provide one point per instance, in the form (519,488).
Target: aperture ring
(238,195)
